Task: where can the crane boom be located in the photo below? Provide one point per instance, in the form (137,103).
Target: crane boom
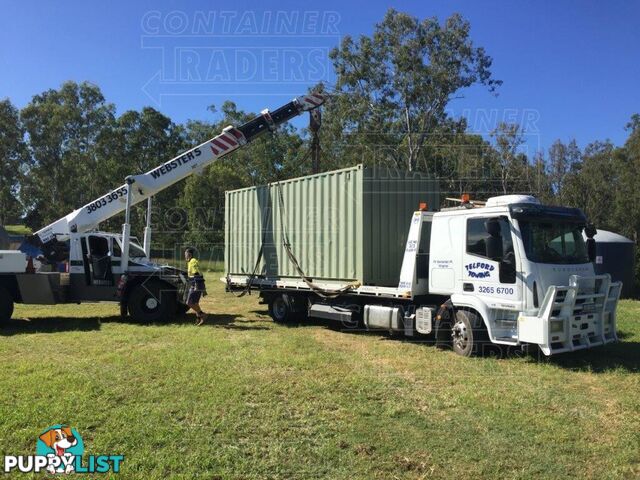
(163,176)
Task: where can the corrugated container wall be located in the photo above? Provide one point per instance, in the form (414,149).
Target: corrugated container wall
(342,226)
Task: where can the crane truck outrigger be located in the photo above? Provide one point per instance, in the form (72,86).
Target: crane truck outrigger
(115,267)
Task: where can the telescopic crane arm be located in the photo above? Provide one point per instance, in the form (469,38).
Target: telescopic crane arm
(146,185)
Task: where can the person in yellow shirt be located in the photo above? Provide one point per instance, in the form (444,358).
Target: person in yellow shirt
(197,287)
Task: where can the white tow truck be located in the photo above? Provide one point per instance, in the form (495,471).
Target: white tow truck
(82,264)
(509,271)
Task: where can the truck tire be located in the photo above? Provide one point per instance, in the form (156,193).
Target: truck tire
(6,305)
(280,309)
(468,333)
(152,301)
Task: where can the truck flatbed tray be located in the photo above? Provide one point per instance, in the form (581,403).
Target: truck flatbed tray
(239,282)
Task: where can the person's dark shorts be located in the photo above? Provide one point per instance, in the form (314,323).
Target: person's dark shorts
(195,290)
(194,295)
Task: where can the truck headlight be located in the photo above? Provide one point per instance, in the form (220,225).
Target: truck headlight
(557,326)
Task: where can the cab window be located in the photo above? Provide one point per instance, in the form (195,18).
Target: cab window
(489,237)
(98,246)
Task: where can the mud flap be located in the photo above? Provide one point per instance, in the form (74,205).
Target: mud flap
(442,329)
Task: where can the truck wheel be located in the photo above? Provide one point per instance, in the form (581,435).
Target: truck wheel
(6,305)
(280,309)
(152,302)
(468,333)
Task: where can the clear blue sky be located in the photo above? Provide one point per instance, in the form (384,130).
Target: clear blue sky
(570,69)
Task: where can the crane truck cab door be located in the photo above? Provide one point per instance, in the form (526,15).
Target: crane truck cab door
(96,251)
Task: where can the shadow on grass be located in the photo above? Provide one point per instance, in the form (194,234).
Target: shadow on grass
(18,326)
(231,322)
(624,354)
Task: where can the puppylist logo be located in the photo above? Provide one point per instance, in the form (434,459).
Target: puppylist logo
(60,449)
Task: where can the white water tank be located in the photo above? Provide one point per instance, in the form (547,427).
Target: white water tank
(615,255)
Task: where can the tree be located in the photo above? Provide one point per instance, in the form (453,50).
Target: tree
(63,127)
(138,142)
(593,184)
(270,157)
(563,160)
(512,165)
(628,211)
(203,202)
(13,158)
(540,183)
(393,87)
(464,163)
(634,127)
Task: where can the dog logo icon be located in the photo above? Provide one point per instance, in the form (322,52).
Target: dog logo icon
(60,441)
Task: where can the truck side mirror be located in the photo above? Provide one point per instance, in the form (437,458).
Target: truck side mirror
(493,242)
(590,232)
(591,249)
(507,268)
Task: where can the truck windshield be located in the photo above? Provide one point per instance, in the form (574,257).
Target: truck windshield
(553,242)
(135,250)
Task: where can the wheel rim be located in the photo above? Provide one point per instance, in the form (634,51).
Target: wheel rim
(279,308)
(460,335)
(150,304)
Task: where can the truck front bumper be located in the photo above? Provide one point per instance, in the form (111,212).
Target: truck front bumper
(580,315)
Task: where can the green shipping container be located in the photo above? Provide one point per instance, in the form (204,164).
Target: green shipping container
(343,226)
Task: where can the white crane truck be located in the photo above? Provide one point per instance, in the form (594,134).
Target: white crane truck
(509,271)
(115,267)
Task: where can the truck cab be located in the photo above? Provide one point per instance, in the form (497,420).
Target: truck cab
(95,264)
(87,267)
(524,269)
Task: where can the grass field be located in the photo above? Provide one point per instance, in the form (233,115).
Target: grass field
(242,397)
(17,229)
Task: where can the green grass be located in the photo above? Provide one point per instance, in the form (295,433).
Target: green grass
(17,229)
(242,397)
